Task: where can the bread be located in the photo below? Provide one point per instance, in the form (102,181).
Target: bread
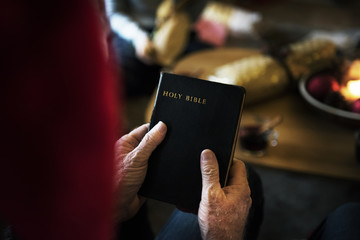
(262,76)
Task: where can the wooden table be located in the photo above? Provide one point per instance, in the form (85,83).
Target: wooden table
(309,142)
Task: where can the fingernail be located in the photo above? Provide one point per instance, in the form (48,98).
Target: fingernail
(206,154)
(161,127)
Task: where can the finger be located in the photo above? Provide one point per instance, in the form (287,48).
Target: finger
(134,137)
(139,132)
(151,140)
(238,173)
(209,169)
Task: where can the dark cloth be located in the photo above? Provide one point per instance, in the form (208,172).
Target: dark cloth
(138,227)
(342,224)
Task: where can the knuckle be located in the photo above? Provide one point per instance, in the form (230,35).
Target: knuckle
(212,193)
(209,171)
(126,140)
(241,166)
(151,140)
(136,159)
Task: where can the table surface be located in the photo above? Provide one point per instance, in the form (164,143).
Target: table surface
(309,141)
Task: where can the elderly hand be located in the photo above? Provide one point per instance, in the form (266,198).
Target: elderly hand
(223,211)
(132,152)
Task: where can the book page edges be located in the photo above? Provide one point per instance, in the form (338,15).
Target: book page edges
(155,103)
(236,136)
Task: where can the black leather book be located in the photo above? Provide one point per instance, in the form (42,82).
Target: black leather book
(199,115)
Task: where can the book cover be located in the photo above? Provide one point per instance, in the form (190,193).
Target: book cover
(199,115)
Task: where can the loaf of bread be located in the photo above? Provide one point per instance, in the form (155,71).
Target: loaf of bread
(261,75)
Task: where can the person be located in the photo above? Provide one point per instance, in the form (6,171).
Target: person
(59,123)
(58,128)
(133,23)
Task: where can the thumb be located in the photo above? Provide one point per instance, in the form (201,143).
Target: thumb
(151,140)
(209,169)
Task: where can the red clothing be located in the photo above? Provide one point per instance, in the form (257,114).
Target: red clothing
(58,121)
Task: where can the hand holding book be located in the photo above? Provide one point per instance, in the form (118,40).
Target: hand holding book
(220,208)
(132,152)
(199,115)
(169,162)
(223,208)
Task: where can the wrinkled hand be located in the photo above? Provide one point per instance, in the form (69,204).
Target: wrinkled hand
(132,152)
(145,50)
(223,211)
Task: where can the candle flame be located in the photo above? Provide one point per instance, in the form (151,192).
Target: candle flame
(351,88)
(354,88)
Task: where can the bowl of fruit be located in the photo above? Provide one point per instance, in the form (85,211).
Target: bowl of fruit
(335,94)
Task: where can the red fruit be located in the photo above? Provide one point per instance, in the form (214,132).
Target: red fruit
(320,86)
(356,106)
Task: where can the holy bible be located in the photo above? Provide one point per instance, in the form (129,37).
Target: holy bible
(199,115)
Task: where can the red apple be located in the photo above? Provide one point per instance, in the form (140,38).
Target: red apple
(320,86)
(355,107)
